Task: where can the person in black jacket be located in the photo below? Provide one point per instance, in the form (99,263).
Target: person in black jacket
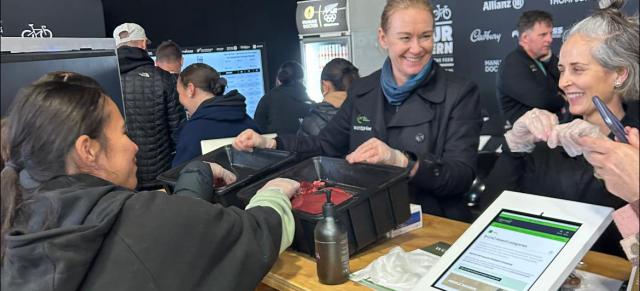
(153,113)
(212,114)
(411,114)
(336,78)
(280,110)
(528,76)
(71,221)
(544,157)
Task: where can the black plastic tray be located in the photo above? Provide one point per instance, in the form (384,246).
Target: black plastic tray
(247,166)
(380,201)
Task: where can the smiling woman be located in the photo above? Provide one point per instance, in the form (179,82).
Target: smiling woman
(411,114)
(598,58)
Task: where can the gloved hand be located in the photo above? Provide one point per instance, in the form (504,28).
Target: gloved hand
(221,176)
(249,139)
(287,186)
(567,135)
(374,151)
(534,126)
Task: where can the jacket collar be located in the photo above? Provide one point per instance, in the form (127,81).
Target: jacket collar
(433,91)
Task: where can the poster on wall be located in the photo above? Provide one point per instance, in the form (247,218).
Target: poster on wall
(316,17)
(47,19)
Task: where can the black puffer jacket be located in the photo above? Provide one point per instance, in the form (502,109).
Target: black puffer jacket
(320,115)
(153,113)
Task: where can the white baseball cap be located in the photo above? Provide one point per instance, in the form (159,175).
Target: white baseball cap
(129,31)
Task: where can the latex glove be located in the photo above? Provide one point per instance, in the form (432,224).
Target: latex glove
(534,126)
(566,135)
(374,151)
(288,187)
(616,163)
(249,139)
(221,176)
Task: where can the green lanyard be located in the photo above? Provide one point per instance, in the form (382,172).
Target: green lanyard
(541,67)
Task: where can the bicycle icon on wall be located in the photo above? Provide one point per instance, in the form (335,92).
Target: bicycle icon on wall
(442,12)
(42,32)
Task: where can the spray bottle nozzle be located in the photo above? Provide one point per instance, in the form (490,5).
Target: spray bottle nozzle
(327,193)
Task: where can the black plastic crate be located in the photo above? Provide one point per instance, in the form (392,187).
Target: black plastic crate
(380,199)
(247,166)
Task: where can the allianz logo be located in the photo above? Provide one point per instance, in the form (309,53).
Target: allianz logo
(479,35)
(498,5)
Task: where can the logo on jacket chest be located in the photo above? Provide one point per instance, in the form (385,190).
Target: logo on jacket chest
(362,123)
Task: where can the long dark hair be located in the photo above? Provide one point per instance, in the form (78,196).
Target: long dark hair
(203,77)
(340,73)
(41,129)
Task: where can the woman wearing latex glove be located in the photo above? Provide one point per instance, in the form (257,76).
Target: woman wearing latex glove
(616,163)
(249,139)
(534,126)
(599,57)
(411,105)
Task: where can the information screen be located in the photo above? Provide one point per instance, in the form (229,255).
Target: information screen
(20,70)
(510,254)
(242,66)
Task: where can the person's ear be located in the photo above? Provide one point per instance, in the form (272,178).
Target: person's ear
(621,75)
(327,87)
(191,90)
(382,38)
(181,63)
(86,150)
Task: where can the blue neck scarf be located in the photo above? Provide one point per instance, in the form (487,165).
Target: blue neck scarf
(397,94)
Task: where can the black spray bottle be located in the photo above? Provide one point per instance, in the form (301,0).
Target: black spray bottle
(332,247)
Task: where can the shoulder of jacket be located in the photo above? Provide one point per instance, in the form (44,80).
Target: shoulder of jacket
(366,84)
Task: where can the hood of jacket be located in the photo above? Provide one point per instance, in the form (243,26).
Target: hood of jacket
(130,58)
(230,106)
(295,90)
(67,220)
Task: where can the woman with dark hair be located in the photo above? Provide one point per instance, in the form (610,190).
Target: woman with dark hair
(211,113)
(411,114)
(280,110)
(71,221)
(336,78)
(599,57)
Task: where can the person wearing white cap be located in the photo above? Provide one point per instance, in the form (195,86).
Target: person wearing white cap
(152,110)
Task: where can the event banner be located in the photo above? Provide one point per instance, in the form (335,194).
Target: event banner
(45,19)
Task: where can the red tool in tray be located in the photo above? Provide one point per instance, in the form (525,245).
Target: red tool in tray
(311,197)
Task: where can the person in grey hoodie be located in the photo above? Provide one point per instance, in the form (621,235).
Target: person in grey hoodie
(71,221)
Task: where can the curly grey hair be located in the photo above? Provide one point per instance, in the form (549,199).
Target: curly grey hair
(618,45)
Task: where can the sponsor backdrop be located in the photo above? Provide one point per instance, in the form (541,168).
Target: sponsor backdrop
(60,18)
(472,37)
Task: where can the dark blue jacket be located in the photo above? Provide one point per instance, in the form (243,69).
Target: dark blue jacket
(218,117)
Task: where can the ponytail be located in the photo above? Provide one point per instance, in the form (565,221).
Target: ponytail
(11,199)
